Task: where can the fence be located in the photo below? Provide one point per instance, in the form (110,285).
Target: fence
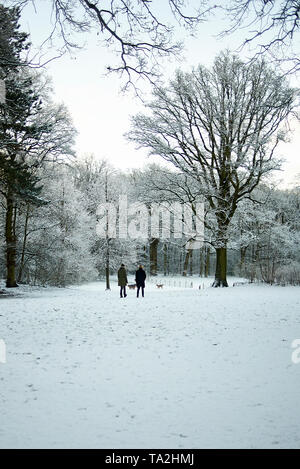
(177,283)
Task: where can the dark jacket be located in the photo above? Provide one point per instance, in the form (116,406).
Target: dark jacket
(140,277)
(122,277)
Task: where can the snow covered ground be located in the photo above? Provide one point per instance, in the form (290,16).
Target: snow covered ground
(181,368)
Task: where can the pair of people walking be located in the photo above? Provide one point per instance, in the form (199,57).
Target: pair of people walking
(140,277)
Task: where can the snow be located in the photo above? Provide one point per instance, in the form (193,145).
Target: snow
(180,368)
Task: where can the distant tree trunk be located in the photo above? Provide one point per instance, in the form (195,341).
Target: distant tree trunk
(186,262)
(221,268)
(153,256)
(191,263)
(254,261)
(165,259)
(180,262)
(22,262)
(10,242)
(107,238)
(107,275)
(144,255)
(61,274)
(207,261)
(201,266)
(107,267)
(242,258)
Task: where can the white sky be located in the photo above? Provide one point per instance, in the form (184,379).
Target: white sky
(101,113)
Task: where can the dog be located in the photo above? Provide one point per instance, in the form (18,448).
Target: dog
(159,285)
(131,287)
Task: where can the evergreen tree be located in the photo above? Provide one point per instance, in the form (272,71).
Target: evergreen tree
(31,129)
(13,43)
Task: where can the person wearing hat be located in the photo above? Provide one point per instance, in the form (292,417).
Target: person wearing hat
(122,280)
(140,277)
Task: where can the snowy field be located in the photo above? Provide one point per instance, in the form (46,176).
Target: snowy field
(181,368)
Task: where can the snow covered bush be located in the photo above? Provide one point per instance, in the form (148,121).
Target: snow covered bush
(288,274)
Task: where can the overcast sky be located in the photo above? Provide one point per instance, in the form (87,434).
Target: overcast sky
(101,113)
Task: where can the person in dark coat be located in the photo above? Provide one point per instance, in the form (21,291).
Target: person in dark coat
(122,280)
(140,277)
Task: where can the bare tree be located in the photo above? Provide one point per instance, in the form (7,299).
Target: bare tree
(274,24)
(221,127)
(136,30)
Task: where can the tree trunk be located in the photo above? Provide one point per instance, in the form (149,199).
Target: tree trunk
(221,250)
(107,264)
(221,268)
(165,259)
(186,262)
(107,277)
(22,263)
(153,256)
(180,262)
(242,258)
(201,253)
(144,255)
(207,261)
(107,238)
(191,263)
(10,238)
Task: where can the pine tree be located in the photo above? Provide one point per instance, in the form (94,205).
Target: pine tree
(32,130)
(13,43)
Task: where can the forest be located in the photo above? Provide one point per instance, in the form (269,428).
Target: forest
(217,131)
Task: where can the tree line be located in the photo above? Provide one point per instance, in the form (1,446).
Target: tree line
(56,241)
